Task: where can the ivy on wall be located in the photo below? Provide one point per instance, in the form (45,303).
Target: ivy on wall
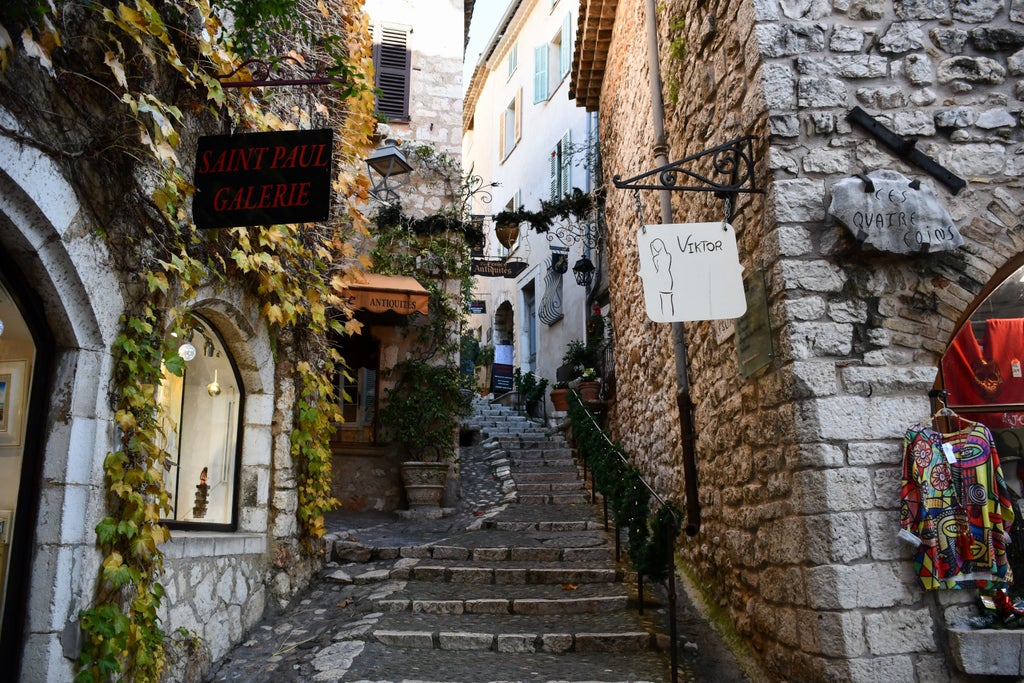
(651,537)
(150,69)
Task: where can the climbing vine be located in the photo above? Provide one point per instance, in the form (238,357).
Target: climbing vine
(650,538)
(153,68)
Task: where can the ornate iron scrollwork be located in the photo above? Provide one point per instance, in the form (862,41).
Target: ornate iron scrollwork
(731,171)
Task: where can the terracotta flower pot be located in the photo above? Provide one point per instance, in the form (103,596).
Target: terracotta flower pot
(590,391)
(560,399)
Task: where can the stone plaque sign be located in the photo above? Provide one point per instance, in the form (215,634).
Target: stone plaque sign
(691,271)
(753,330)
(891,213)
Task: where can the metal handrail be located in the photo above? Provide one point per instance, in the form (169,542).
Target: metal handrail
(677,525)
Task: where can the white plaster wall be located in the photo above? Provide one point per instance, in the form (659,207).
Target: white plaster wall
(527,169)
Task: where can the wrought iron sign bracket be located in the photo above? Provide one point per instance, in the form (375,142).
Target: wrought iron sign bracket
(906,149)
(732,172)
(268,74)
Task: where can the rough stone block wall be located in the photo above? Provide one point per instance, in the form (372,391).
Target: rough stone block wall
(799,464)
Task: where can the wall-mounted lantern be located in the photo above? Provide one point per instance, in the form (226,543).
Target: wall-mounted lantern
(583,271)
(385,164)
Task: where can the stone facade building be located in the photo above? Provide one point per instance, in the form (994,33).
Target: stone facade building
(70,218)
(800,460)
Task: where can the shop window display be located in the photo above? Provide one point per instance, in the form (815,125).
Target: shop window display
(201,412)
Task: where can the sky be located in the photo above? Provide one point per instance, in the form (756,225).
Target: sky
(486,14)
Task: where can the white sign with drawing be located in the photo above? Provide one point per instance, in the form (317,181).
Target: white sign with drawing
(691,271)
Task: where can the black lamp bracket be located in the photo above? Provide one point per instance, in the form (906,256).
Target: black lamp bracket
(906,149)
(270,73)
(731,172)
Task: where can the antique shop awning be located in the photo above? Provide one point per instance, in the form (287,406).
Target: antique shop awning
(384,293)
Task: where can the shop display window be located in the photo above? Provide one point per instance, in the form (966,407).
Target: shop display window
(357,390)
(982,368)
(201,413)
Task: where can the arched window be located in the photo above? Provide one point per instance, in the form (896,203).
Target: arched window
(982,369)
(202,412)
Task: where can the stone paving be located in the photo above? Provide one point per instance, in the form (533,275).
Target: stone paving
(511,585)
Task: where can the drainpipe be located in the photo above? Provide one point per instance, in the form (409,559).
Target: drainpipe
(683,401)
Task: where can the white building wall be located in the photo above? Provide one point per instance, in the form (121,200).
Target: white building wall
(524,172)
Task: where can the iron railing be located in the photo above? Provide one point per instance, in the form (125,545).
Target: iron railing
(676,526)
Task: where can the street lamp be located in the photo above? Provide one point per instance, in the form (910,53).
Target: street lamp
(383,165)
(583,271)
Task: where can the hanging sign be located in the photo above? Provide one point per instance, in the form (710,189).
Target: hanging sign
(477,306)
(691,271)
(892,213)
(263,178)
(496,267)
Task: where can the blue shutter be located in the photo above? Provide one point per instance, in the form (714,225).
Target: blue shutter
(565,49)
(540,73)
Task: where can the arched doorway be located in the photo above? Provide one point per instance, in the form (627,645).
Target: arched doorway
(24,369)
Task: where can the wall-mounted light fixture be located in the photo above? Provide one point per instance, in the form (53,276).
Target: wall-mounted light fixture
(384,165)
(583,271)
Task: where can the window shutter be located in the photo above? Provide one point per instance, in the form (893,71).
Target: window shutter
(553,171)
(519,114)
(391,58)
(540,73)
(501,134)
(566,165)
(565,49)
(513,59)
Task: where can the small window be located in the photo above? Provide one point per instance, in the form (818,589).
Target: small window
(982,369)
(357,389)
(510,125)
(561,168)
(392,61)
(201,412)
(513,59)
(552,62)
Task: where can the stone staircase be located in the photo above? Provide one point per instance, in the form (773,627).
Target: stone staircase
(528,591)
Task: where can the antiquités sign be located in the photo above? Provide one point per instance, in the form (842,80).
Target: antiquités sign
(263,178)
(496,268)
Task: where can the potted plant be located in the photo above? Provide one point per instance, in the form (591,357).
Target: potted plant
(421,415)
(560,396)
(484,360)
(590,385)
(530,389)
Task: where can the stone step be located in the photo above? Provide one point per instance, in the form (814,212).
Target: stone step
(378,663)
(552,498)
(505,573)
(546,476)
(503,605)
(519,641)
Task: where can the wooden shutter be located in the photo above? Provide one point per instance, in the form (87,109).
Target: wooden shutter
(391,60)
(565,49)
(540,73)
(519,114)
(565,160)
(501,134)
(553,166)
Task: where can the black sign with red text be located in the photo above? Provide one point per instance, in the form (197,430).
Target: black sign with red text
(263,178)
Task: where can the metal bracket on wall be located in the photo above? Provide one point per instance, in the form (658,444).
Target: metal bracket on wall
(732,171)
(269,74)
(906,149)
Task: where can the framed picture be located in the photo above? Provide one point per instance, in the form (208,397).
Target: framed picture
(13,394)
(5,528)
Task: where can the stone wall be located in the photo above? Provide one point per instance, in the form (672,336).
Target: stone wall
(799,464)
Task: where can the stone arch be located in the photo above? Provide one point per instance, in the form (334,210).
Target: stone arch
(56,254)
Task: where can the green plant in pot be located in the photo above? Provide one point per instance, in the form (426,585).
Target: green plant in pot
(560,396)
(422,416)
(530,388)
